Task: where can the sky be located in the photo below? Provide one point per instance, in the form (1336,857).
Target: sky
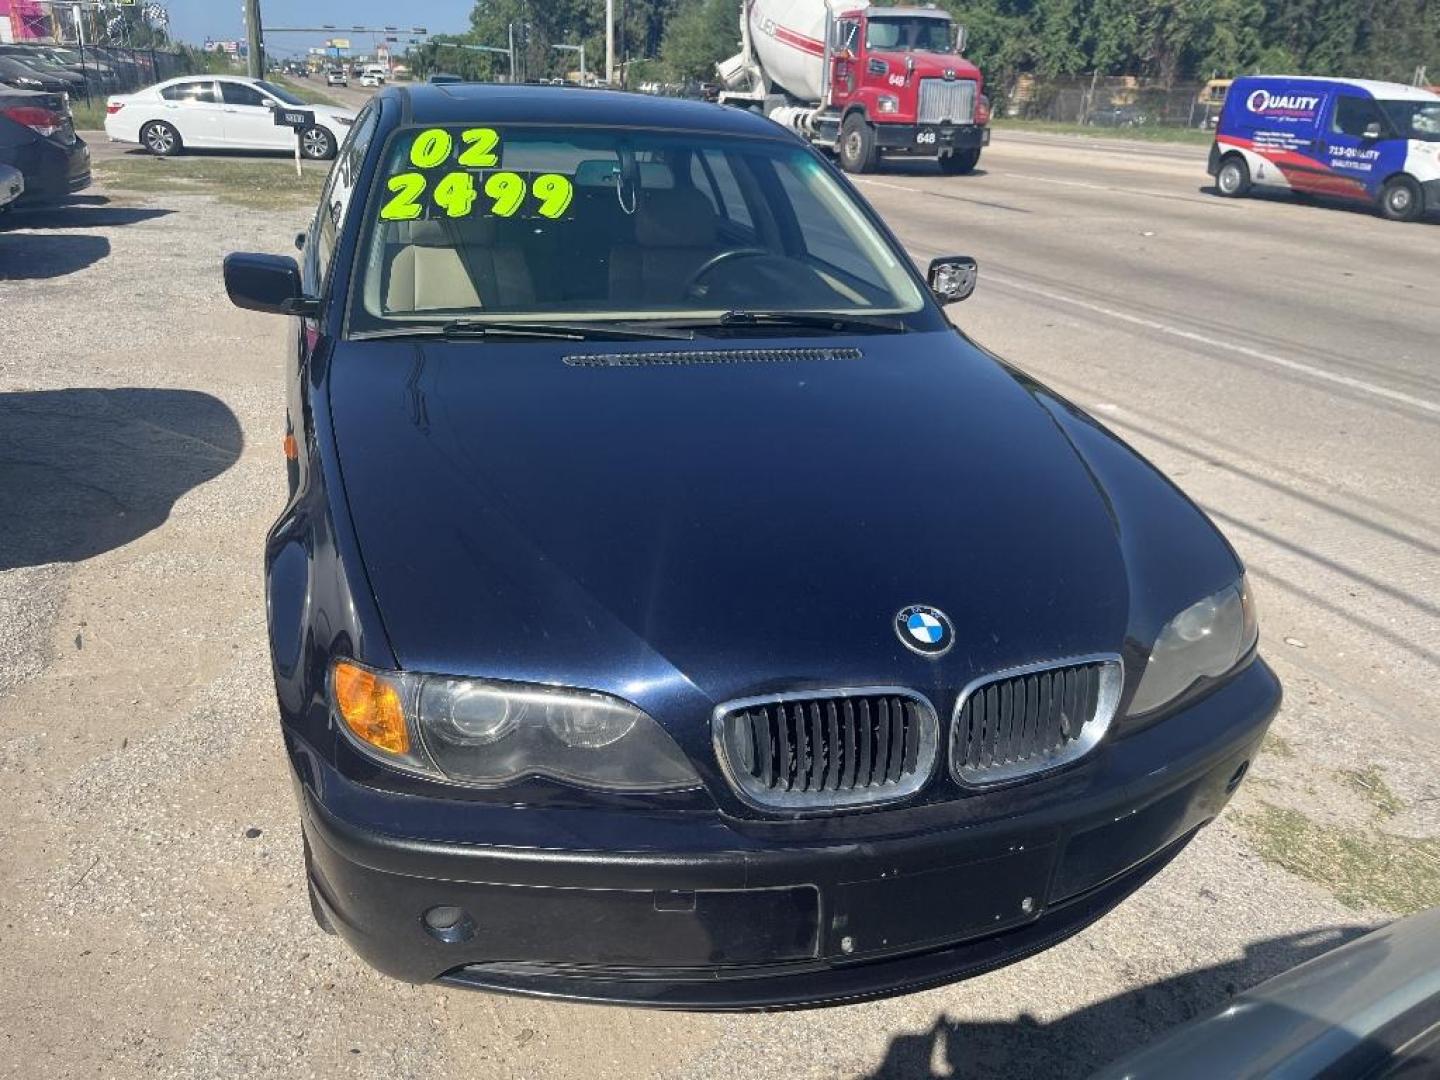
(195,20)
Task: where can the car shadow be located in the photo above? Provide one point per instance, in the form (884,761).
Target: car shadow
(1304,198)
(1077,1044)
(38,256)
(83,471)
(94,212)
(210,152)
(928,167)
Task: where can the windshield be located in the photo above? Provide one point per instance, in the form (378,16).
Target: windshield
(1414,119)
(912,34)
(614,224)
(280,94)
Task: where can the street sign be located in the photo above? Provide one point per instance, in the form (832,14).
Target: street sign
(299,119)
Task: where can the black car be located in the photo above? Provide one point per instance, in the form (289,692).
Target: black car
(37,136)
(672,607)
(45,65)
(17,73)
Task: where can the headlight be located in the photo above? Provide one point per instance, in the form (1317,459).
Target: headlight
(473,731)
(887,103)
(344,121)
(1204,641)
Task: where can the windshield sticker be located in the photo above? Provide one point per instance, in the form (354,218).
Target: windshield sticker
(405,206)
(431,148)
(481,146)
(458,193)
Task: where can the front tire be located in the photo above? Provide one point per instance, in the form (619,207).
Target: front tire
(317,144)
(1233,179)
(857,145)
(960,162)
(1401,199)
(161,139)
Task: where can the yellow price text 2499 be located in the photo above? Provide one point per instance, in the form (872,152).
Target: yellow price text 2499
(456,193)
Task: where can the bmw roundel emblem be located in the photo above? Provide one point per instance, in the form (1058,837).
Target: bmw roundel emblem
(925,630)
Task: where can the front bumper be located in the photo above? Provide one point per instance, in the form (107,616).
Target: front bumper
(750,924)
(929,138)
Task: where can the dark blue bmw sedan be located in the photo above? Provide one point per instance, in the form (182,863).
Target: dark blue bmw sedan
(672,607)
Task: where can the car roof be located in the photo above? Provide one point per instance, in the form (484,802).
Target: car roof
(505,103)
(1390,91)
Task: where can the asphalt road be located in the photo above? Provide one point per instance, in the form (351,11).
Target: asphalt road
(1276,359)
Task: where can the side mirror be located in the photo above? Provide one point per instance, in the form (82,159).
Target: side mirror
(952,277)
(960,36)
(1372,130)
(267,283)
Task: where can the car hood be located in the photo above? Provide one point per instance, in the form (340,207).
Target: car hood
(731,528)
(331,112)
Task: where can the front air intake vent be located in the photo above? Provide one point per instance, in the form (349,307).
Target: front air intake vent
(1017,723)
(709,356)
(827,750)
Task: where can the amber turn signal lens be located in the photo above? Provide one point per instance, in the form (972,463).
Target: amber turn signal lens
(371,707)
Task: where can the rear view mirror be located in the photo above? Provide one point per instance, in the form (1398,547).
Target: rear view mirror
(267,283)
(952,277)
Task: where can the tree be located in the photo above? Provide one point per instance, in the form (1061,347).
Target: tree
(699,35)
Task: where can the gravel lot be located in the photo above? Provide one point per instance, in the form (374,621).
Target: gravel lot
(155,919)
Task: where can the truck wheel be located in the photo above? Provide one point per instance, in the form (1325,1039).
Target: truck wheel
(1233,179)
(857,144)
(1400,199)
(959,162)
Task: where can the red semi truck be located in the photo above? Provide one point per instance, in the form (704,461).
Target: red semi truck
(860,80)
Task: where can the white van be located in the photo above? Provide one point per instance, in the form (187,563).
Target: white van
(373,75)
(1354,139)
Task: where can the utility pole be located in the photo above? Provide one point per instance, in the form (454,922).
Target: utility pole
(609,42)
(576,49)
(255,61)
(512,51)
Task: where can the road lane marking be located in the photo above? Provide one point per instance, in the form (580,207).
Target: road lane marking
(1108,188)
(1285,362)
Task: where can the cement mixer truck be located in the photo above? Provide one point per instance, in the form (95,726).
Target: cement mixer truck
(862,81)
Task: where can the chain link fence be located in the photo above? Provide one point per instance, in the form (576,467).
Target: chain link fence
(118,70)
(88,73)
(1111,101)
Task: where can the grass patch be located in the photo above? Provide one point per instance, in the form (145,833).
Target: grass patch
(257,184)
(306,93)
(1144,133)
(1373,789)
(1362,868)
(89,117)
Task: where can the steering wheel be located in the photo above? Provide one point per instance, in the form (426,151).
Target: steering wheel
(711,263)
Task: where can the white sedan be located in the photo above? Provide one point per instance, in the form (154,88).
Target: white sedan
(220,112)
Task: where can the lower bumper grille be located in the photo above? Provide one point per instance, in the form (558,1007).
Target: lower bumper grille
(827,750)
(1028,720)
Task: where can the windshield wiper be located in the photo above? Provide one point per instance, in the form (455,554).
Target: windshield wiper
(819,320)
(561,331)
